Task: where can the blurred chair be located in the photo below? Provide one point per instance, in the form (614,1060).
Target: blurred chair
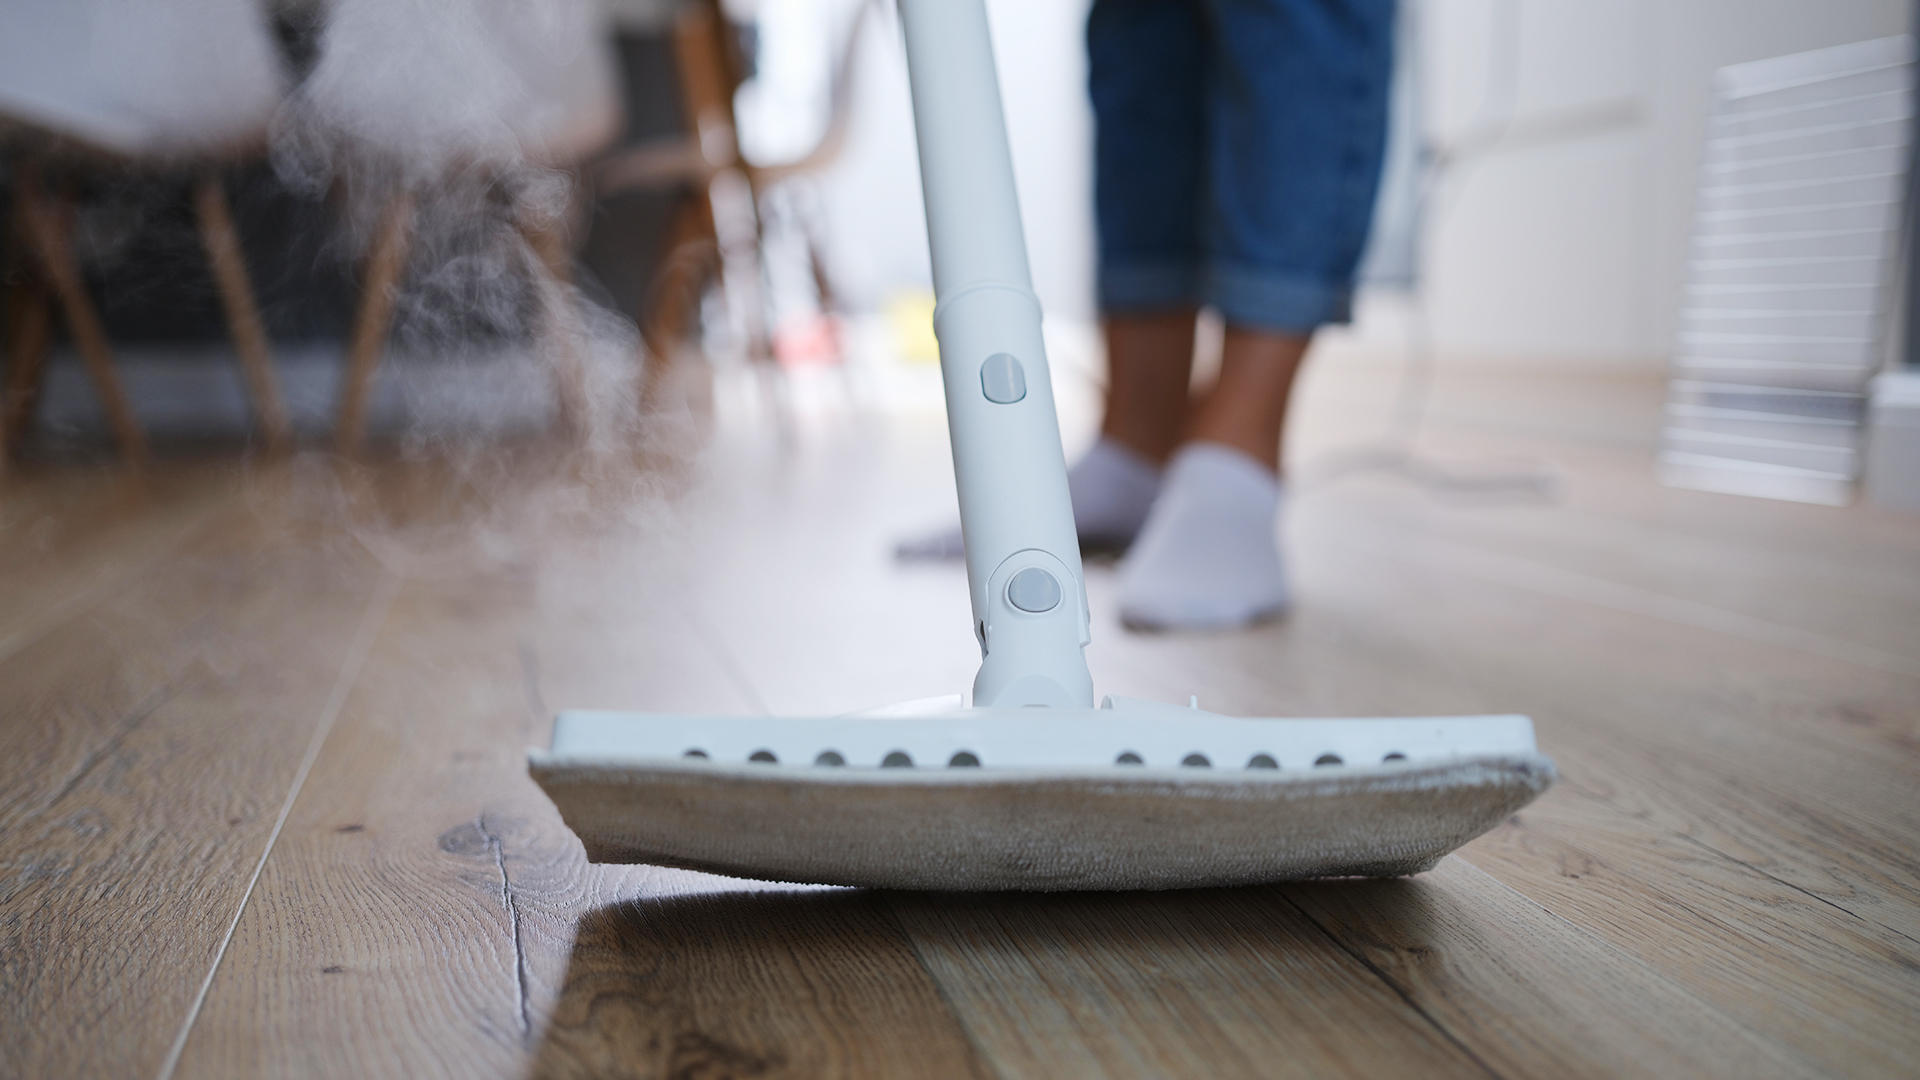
(717,232)
(89,85)
(409,97)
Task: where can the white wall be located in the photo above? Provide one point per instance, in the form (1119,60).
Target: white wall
(878,236)
(1563,233)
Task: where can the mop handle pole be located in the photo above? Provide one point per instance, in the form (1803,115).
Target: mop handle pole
(1023,557)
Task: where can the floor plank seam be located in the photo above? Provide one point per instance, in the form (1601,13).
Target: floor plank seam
(513,926)
(1401,992)
(530,682)
(729,663)
(1763,1040)
(1704,846)
(370,622)
(940,989)
(1717,853)
(162,694)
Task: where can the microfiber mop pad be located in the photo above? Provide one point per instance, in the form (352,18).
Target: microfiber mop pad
(1057,814)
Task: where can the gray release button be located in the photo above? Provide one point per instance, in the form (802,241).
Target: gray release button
(1003,380)
(1033,589)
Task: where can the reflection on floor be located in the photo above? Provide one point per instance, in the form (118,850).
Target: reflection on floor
(265,808)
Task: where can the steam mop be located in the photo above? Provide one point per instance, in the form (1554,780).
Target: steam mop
(1032,787)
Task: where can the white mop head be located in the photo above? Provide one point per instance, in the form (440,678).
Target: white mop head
(1054,802)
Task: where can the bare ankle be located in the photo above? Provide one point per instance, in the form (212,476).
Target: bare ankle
(1149,361)
(1246,409)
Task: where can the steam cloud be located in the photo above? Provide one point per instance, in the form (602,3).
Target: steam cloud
(476,110)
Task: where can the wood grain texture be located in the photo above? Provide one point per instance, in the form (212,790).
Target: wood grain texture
(1531,994)
(1840,992)
(771,984)
(1754,763)
(1726,882)
(415,872)
(431,886)
(1788,760)
(1214,983)
(65,547)
(151,745)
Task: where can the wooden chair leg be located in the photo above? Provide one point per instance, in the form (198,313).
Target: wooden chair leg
(222,241)
(385,265)
(29,334)
(829,300)
(668,306)
(559,321)
(49,229)
(737,224)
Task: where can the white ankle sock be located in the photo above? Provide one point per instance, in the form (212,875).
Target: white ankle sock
(1208,557)
(1112,489)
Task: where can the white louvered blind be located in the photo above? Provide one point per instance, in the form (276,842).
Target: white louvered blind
(1789,282)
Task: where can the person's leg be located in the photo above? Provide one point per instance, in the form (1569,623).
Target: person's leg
(1296,122)
(1146,76)
(1299,104)
(1147,81)
(1246,408)
(1149,364)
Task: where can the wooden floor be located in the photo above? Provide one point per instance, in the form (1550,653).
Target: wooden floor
(264,808)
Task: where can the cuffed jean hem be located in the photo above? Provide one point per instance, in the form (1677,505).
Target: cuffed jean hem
(1149,286)
(1278,302)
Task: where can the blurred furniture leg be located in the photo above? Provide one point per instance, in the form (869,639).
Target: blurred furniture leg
(49,231)
(673,297)
(711,72)
(560,328)
(385,264)
(243,314)
(399,92)
(717,235)
(131,88)
(29,333)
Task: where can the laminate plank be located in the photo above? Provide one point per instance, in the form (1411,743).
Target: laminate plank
(1525,991)
(426,913)
(152,743)
(1788,764)
(415,916)
(1839,991)
(68,541)
(66,701)
(1867,608)
(1795,763)
(1206,983)
(1725,882)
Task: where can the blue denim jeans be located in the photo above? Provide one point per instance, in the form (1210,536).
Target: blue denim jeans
(1237,151)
